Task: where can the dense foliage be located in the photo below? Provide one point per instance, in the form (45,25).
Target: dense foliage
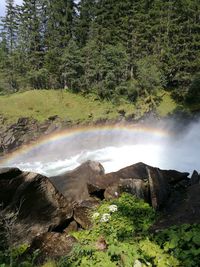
(120,237)
(112,48)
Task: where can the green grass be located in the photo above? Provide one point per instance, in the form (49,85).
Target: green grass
(167,104)
(41,104)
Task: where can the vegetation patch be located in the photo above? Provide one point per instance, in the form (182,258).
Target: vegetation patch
(41,104)
(120,236)
(167,104)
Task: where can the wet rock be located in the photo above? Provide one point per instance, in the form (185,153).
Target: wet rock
(112,192)
(8,173)
(173,176)
(135,187)
(23,121)
(95,191)
(159,187)
(10,180)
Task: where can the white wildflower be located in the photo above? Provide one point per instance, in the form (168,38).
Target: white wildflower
(116,194)
(137,263)
(95,215)
(112,208)
(105,217)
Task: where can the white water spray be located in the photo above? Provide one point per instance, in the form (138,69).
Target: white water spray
(115,150)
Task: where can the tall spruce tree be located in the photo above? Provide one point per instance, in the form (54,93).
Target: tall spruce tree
(10,24)
(59,32)
(31,31)
(84,20)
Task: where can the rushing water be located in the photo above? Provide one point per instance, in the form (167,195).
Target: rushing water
(115,149)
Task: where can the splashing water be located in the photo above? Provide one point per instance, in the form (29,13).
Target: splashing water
(114,147)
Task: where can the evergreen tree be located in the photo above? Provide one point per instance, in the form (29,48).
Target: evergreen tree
(9,33)
(59,32)
(71,67)
(31,25)
(10,25)
(83,30)
(108,47)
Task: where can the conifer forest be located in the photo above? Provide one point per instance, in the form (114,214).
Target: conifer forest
(114,49)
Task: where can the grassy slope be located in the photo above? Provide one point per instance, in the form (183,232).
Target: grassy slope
(167,105)
(41,104)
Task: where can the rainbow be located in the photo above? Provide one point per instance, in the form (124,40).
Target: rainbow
(80,132)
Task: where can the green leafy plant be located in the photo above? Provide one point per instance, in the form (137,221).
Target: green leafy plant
(183,242)
(118,224)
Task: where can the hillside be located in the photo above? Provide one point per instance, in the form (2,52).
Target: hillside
(126,49)
(41,104)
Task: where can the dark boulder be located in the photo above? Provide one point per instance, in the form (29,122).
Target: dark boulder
(72,227)
(74,184)
(151,184)
(135,187)
(181,208)
(36,202)
(195,178)
(10,180)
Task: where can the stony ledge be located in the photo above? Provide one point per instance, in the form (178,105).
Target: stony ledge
(44,210)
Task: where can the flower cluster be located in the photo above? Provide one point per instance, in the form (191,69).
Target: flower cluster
(112,208)
(95,215)
(105,217)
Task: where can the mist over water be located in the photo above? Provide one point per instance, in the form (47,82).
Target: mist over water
(117,148)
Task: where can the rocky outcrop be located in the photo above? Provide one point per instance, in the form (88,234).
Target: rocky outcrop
(195,178)
(73,184)
(44,211)
(31,205)
(27,130)
(146,182)
(82,212)
(51,246)
(181,208)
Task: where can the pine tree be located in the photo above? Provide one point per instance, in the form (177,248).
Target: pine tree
(10,24)
(31,25)
(59,31)
(83,27)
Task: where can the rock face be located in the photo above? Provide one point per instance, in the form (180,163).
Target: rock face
(52,245)
(195,178)
(73,184)
(27,130)
(43,211)
(149,183)
(181,208)
(36,202)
